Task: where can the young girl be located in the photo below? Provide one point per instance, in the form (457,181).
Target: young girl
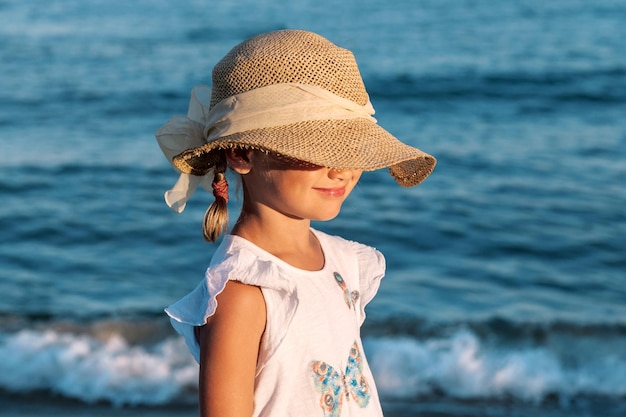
(275,324)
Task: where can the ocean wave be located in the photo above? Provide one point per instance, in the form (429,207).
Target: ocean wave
(462,365)
(125,364)
(82,367)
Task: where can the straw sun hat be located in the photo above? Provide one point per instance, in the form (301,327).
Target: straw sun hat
(294,93)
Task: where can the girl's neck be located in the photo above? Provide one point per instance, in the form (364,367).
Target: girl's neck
(290,240)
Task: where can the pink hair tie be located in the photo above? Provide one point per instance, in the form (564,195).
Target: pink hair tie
(220,189)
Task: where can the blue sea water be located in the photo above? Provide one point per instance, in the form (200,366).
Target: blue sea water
(506,279)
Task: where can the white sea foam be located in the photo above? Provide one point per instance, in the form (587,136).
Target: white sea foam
(463,366)
(79,366)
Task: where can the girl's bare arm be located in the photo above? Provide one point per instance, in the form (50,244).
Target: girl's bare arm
(229,347)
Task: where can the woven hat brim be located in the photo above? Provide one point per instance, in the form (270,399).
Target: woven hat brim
(341,144)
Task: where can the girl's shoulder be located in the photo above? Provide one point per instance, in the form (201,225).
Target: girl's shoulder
(368,257)
(241,260)
(234,260)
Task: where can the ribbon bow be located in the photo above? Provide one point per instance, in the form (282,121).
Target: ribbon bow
(179,134)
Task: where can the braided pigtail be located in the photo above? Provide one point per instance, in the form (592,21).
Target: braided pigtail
(216,216)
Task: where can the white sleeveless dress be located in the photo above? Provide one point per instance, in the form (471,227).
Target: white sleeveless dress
(311,360)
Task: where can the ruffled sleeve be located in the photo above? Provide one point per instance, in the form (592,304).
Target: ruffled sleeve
(371,265)
(239,265)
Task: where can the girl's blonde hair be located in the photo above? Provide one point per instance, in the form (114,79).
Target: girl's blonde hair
(216,217)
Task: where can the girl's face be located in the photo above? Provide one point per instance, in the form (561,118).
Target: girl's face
(296,189)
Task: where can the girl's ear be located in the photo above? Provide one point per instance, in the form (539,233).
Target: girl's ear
(239,160)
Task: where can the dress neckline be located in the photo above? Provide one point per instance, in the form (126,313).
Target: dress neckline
(263,254)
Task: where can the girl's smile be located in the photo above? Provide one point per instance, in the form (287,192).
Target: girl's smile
(332,192)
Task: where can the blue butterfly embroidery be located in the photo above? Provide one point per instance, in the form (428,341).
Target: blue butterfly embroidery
(349,297)
(335,386)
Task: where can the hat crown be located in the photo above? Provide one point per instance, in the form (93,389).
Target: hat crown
(288,56)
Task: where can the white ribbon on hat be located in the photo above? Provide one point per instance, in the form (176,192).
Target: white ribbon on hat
(179,134)
(265,107)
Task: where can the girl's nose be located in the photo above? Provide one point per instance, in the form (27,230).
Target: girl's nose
(337,173)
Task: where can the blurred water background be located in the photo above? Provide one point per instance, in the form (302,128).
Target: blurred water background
(506,286)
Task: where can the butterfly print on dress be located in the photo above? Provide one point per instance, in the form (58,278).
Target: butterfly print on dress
(336,386)
(350,297)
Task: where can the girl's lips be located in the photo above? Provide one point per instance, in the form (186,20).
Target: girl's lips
(332,192)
